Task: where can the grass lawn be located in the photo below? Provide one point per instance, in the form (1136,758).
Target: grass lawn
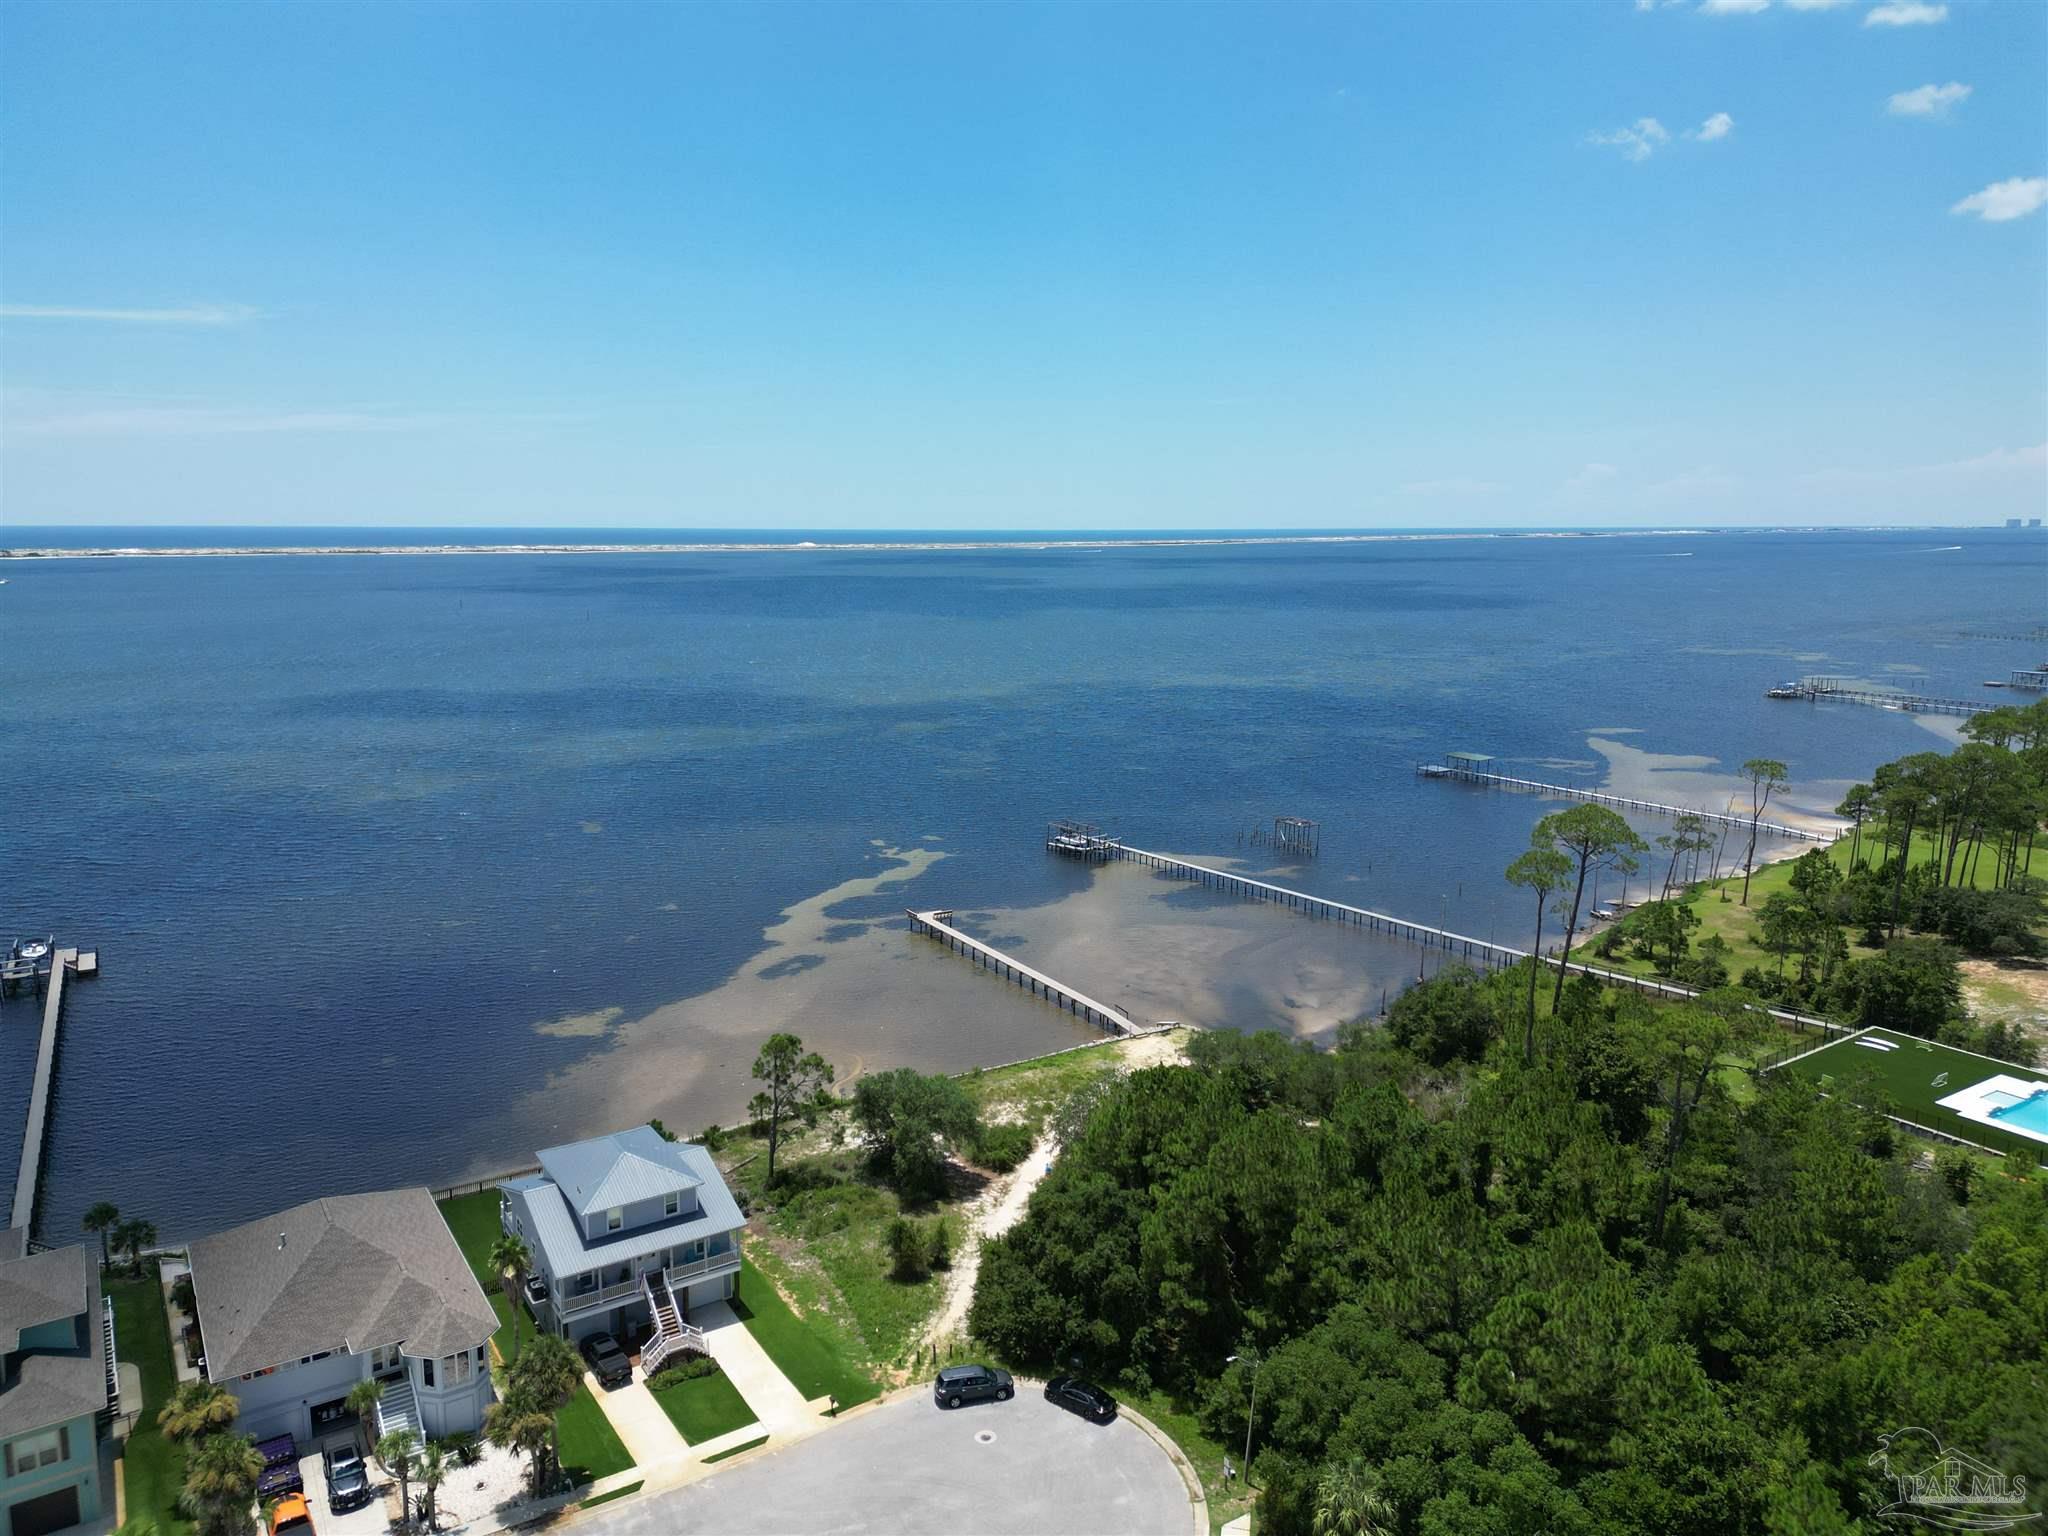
(1906,1076)
(1031,1090)
(705,1407)
(736,1450)
(810,1351)
(152,1468)
(1226,1500)
(590,1446)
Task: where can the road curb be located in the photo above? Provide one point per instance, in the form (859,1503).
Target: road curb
(1197,1499)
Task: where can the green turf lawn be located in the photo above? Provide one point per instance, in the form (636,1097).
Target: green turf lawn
(152,1468)
(802,1349)
(590,1446)
(705,1407)
(1906,1077)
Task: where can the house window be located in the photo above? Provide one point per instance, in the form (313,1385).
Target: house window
(44,1450)
(673,1205)
(458,1368)
(614,1218)
(384,1360)
(427,1372)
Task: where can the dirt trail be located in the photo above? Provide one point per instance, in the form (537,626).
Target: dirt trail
(1001,1205)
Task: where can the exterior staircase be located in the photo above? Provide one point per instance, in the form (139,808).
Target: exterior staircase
(396,1410)
(672,1336)
(109,1356)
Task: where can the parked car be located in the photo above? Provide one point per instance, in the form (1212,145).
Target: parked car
(291,1517)
(536,1290)
(1082,1397)
(608,1362)
(280,1474)
(348,1480)
(959,1384)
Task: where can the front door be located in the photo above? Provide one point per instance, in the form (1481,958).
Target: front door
(51,1512)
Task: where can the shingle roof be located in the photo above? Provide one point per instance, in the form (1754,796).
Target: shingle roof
(559,1238)
(52,1389)
(349,1272)
(50,1386)
(42,1288)
(618,1169)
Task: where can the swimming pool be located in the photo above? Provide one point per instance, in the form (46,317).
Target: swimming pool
(2029,1113)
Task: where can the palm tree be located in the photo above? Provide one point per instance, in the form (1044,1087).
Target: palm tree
(396,1450)
(1349,1502)
(433,1469)
(131,1237)
(98,1218)
(220,1483)
(197,1410)
(363,1399)
(547,1377)
(513,1424)
(510,1260)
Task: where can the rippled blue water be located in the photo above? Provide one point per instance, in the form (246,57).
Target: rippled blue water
(342,827)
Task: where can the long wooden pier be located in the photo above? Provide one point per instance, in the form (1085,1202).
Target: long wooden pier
(935,924)
(1625,802)
(1818,688)
(33,1133)
(1461,944)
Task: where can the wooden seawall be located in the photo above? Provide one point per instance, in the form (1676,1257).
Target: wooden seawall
(1485,951)
(1625,802)
(34,1132)
(934,923)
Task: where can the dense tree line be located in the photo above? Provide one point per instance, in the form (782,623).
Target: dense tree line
(1586,1291)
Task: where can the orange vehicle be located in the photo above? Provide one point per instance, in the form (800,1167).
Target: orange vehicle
(291,1517)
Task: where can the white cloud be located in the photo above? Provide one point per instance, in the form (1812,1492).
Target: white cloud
(1927,100)
(1734,7)
(2004,200)
(1905,13)
(1814,5)
(183,314)
(216,421)
(1638,141)
(1719,126)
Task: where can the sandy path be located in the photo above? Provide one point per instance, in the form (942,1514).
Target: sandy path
(1001,1205)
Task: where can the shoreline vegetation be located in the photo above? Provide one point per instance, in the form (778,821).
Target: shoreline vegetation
(1077,541)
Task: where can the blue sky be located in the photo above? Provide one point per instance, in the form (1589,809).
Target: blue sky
(1024,266)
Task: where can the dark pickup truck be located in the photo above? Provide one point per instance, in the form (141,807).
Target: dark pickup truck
(280,1474)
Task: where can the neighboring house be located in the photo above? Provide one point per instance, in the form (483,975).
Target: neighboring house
(630,1233)
(55,1364)
(296,1308)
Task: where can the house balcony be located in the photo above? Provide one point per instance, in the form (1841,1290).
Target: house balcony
(698,1269)
(569,1302)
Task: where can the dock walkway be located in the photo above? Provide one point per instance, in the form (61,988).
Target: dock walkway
(1817,688)
(33,1132)
(1625,802)
(1462,944)
(1033,981)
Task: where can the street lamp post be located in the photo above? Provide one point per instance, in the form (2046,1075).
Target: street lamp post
(1250,1413)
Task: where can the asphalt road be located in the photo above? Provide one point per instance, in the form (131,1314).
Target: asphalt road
(912,1469)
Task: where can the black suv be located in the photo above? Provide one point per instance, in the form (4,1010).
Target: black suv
(608,1362)
(1082,1397)
(348,1480)
(959,1384)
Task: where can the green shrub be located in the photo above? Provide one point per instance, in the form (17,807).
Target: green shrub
(909,1254)
(1003,1147)
(681,1369)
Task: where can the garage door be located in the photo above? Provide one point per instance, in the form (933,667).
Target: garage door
(51,1512)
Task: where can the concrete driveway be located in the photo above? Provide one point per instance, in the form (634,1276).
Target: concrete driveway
(908,1468)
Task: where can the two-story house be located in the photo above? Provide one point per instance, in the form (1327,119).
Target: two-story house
(296,1308)
(628,1233)
(55,1365)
